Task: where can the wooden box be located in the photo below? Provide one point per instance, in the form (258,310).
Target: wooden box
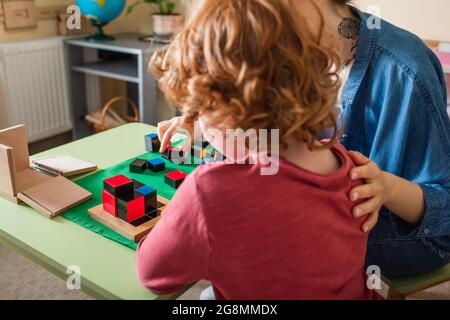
(19,14)
(48,194)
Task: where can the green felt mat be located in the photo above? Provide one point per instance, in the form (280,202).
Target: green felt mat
(94,183)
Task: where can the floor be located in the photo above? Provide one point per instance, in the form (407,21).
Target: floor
(50,143)
(20,278)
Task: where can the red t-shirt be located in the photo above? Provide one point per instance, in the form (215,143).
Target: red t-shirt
(287,236)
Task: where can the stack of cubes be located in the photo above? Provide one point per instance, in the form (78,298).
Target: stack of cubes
(128,199)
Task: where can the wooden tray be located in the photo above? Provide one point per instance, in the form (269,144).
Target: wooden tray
(124,228)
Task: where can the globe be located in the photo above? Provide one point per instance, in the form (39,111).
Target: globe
(100,13)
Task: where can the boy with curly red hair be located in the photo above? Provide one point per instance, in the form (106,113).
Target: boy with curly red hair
(251,65)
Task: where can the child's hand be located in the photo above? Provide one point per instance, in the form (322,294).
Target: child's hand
(374,191)
(166,129)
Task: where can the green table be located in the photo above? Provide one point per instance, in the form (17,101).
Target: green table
(107,268)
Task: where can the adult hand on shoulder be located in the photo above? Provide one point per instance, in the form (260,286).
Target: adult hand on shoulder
(374,191)
(166,129)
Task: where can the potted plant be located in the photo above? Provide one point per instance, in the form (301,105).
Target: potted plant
(165,21)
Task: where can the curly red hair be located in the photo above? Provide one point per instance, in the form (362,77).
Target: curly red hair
(252,64)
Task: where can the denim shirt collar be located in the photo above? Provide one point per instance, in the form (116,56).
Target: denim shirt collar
(364,52)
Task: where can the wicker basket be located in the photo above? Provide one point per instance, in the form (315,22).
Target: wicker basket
(107,118)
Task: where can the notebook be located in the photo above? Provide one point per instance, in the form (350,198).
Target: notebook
(64,165)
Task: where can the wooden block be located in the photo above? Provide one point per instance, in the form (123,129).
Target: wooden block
(131,210)
(43,13)
(47,194)
(138,166)
(51,12)
(120,186)
(137,184)
(150,195)
(156,165)
(64,165)
(19,14)
(14,157)
(175,178)
(29,178)
(7,183)
(133,233)
(109,203)
(54,196)
(16,139)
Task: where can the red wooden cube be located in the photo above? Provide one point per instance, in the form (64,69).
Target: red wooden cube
(109,203)
(131,210)
(175,178)
(120,186)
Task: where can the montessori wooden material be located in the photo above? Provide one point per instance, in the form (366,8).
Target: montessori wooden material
(175,178)
(19,14)
(42,13)
(65,166)
(54,196)
(129,231)
(49,195)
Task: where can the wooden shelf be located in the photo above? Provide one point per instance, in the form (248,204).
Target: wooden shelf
(125,59)
(125,70)
(43,13)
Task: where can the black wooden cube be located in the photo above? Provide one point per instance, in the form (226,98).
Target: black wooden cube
(138,166)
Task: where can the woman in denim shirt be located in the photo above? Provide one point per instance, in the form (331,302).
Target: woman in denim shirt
(393,112)
(394,104)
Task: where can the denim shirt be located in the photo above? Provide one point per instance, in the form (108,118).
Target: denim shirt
(394,112)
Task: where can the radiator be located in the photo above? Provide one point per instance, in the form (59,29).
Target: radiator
(35,86)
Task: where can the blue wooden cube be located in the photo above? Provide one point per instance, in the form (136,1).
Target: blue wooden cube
(156,165)
(150,195)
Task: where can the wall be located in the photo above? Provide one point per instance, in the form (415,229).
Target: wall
(45,28)
(139,21)
(428,19)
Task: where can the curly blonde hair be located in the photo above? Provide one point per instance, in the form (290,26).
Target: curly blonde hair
(252,64)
